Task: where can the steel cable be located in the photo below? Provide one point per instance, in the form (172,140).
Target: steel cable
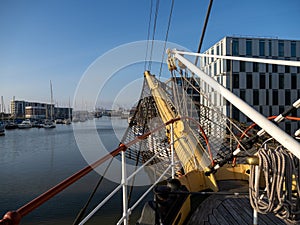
(148,33)
(153,34)
(166,38)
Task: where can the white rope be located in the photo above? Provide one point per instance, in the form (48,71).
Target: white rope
(278,168)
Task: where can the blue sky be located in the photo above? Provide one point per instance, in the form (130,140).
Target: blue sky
(58,40)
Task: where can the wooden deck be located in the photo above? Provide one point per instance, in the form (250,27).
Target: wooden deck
(229,210)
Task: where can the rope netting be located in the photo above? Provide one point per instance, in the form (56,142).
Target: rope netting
(218,135)
(145,119)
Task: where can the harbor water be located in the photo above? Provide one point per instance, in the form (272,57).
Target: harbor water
(34,160)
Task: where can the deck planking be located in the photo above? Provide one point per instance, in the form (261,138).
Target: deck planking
(232,210)
(229,210)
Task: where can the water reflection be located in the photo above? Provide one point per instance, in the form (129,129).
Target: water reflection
(33,160)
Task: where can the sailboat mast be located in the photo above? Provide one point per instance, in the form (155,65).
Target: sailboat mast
(2,108)
(51,103)
(69,109)
(2,105)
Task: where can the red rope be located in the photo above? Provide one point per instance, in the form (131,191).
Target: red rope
(254,124)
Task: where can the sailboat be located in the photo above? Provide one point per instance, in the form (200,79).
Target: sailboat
(68,120)
(189,146)
(2,125)
(49,123)
(2,129)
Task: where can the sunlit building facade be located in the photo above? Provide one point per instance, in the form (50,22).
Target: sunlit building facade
(37,110)
(270,89)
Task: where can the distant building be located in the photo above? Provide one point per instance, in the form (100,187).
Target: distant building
(37,110)
(270,89)
(17,108)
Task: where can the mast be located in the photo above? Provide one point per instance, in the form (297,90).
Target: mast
(69,110)
(2,108)
(51,102)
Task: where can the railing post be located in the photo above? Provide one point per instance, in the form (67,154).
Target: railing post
(172,151)
(124,188)
(255,214)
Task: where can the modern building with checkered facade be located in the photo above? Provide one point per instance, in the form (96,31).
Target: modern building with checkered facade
(269,88)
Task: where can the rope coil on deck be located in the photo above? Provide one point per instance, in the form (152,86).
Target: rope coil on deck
(280,171)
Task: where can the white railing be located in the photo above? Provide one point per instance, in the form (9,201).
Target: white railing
(124,183)
(283,138)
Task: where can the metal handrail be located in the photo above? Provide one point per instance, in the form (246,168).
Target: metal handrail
(144,195)
(129,210)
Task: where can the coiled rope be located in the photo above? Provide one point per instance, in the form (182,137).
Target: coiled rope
(279,168)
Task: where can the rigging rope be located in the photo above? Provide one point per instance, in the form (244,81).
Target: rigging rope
(153,34)
(279,168)
(83,210)
(148,35)
(204,29)
(166,39)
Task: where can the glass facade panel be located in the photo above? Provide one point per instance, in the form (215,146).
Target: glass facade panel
(255,67)
(288,128)
(267,97)
(235,47)
(242,66)
(255,97)
(281,81)
(270,48)
(235,113)
(280,49)
(262,81)
(248,47)
(294,81)
(287,69)
(287,97)
(228,65)
(275,97)
(281,109)
(274,68)
(261,48)
(249,80)
(236,80)
(243,94)
(293,49)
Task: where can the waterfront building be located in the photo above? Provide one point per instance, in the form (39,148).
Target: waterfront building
(37,110)
(270,89)
(17,108)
